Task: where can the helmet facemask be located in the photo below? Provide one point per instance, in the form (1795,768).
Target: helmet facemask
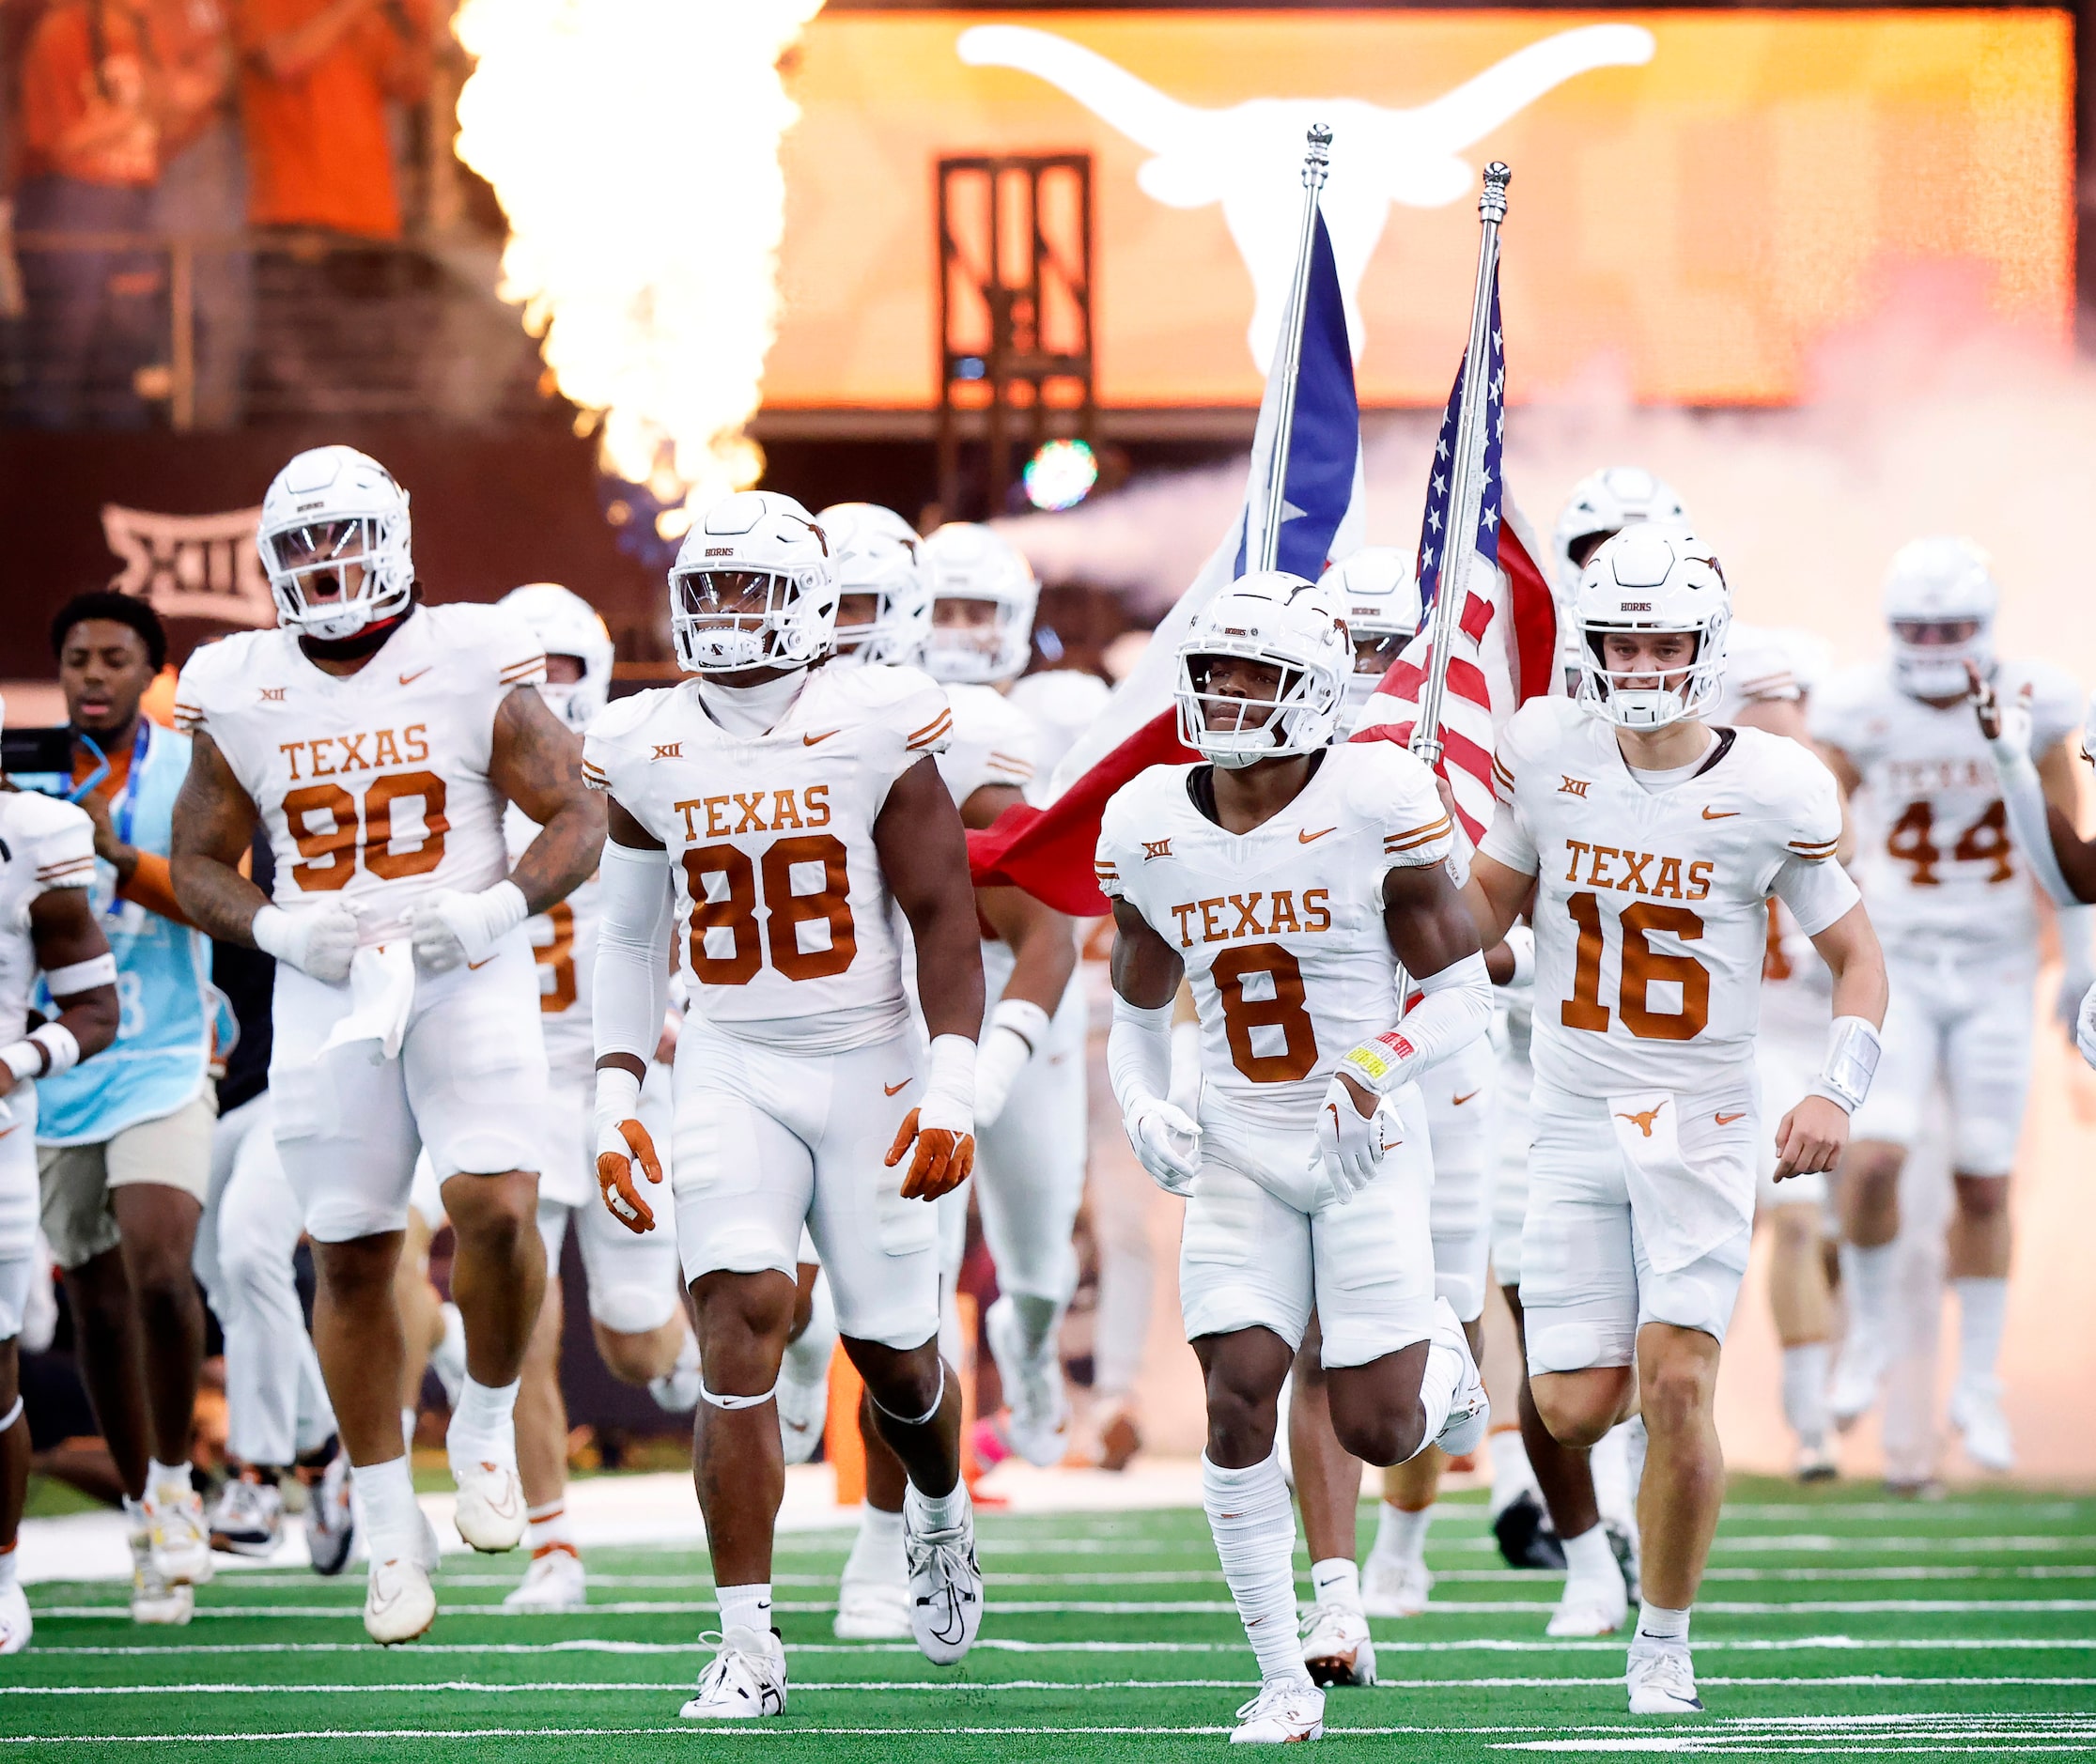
(977,641)
(1650,695)
(334,578)
(1929,655)
(1270,709)
(1375,651)
(734,620)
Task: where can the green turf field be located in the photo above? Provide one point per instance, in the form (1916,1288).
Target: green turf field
(1832,1625)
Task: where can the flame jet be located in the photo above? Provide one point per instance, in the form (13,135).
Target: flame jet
(1248,157)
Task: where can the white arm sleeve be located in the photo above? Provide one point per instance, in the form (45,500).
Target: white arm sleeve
(2025,797)
(1138,1053)
(632,951)
(1456,1008)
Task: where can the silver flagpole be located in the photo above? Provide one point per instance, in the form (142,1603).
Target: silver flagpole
(1458,545)
(1316,164)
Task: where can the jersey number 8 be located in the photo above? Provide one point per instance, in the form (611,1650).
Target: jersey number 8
(785,912)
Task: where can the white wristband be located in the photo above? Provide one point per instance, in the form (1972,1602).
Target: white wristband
(271,932)
(1852,1058)
(25,1059)
(950,1086)
(78,977)
(618,1095)
(1025,1019)
(57,1040)
(506,908)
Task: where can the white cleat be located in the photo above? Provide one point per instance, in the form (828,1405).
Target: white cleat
(181,1535)
(1662,1680)
(331,1518)
(945,1587)
(1040,1418)
(1285,1711)
(1589,1608)
(490,1513)
(1394,1588)
(1976,1413)
(15,1624)
(553,1582)
(1336,1646)
(873,1611)
(1469,1417)
(154,1598)
(803,1407)
(247,1519)
(745,1680)
(1859,1372)
(399,1603)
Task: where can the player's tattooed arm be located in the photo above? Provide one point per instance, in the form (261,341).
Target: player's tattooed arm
(64,932)
(924,854)
(536,762)
(1146,970)
(214,825)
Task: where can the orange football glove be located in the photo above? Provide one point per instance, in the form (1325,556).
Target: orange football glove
(943,1161)
(614,1173)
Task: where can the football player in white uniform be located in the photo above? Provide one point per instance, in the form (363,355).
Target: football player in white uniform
(47,921)
(781,808)
(1768,674)
(1306,1169)
(1952,893)
(377,740)
(635,1317)
(1029,1100)
(1646,845)
(1380,603)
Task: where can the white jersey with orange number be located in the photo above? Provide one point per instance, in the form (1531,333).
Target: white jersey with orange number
(563,942)
(1932,849)
(1281,928)
(783,913)
(44,844)
(374,787)
(1651,912)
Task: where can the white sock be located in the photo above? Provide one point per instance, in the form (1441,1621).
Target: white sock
(1982,1309)
(746,1607)
(1867,1279)
(550,1529)
(171,1481)
(1254,1528)
(938,1512)
(1589,1558)
(1655,1623)
(807,1358)
(1439,1385)
(407,1429)
(1636,1440)
(876,1551)
(1513,1476)
(386,1498)
(483,1428)
(1610,1465)
(1805,1391)
(1335,1581)
(1400,1535)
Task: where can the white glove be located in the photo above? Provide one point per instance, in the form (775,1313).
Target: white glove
(2085,1028)
(450,928)
(1521,944)
(316,940)
(1349,1144)
(621,1143)
(1167,1142)
(1017,1030)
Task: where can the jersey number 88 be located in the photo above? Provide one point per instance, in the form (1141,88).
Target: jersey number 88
(785,912)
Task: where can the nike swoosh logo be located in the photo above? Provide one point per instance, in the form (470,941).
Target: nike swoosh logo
(473,967)
(890,1090)
(408,679)
(809,741)
(1719,814)
(1307,838)
(6,1131)
(1726,1120)
(1459,1101)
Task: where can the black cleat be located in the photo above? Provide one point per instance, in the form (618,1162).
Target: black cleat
(1527,1537)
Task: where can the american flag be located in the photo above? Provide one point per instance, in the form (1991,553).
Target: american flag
(1502,648)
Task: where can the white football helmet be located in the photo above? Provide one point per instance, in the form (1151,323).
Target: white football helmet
(1653,578)
(1379,598)
(1605,503)
(1940,599)
(878,553)
(567,624)
(335,545)
(972,562)
(754,586)
(1296,626)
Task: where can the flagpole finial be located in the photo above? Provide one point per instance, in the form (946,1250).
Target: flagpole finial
(1492,200)
(1318,158)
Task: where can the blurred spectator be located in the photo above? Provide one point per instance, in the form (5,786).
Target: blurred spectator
(109,89)
(318,79)
(124,1144)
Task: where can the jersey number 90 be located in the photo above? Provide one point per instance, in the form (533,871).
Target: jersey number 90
(333,851)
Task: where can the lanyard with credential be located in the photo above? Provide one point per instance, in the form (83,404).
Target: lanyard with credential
(123,811)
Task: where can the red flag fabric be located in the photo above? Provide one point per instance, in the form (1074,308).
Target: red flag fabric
(1048,852)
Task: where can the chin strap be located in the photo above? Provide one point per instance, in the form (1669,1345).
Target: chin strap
(363,643)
